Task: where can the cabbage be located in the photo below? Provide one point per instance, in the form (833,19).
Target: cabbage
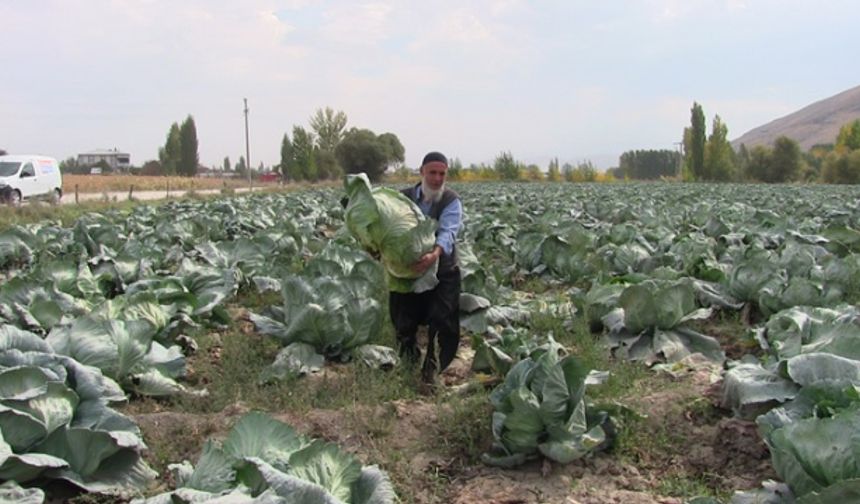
(385,221)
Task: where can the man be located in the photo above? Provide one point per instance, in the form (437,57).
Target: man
(439,307)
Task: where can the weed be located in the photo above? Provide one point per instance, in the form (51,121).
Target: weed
(686,486)
(463,431)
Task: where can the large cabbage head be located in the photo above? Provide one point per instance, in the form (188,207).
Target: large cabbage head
(384,220)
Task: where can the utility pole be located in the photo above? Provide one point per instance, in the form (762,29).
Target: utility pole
(247,148)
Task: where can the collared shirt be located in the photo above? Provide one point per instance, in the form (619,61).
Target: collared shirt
(449,221)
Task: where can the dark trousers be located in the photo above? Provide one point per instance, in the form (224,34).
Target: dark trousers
(438,309)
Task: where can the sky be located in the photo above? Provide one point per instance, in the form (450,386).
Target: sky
(574,79)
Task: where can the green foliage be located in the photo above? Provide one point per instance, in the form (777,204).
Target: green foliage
(782,163)
(179,155)
(849,137)
(455,169)
(787,160)
(534,173)
(241,166)
(506,167)
(758,165)
(841,168)
(169,155)
(226,165)
(541,408)
(328,127)
(694,143)
(270,457)
(286,168)
(466,432)
(188,156)
(304,157)
(648,164)
(327,167)
(57,423)
(719,156)
(362,151)
(395,153)
(553,172)
(70,165)
(582,172)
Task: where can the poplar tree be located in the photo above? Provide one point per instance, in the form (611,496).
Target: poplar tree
(287,160)
(719,156)
(695,143)
(328,126)
(303,155)
(189,159)
(169,154)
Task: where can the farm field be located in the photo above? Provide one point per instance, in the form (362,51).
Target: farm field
(622,343)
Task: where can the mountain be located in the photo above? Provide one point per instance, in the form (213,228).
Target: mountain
(818,123)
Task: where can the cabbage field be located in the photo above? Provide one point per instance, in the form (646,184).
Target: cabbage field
(635,343)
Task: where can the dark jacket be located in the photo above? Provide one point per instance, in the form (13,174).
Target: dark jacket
(447,262)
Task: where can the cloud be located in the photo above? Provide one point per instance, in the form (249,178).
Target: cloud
(359,25)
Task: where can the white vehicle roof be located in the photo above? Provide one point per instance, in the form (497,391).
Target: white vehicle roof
(24,157)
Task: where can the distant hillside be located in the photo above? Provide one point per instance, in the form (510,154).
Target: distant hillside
(818,123)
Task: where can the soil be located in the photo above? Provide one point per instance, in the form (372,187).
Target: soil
(701,443)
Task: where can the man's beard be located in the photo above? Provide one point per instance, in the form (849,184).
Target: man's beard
(430,195)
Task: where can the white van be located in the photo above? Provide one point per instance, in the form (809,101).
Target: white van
(24,177)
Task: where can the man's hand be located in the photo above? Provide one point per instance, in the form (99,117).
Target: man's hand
(427,260)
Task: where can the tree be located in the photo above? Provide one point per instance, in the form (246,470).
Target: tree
(760,163)
(506,167)
(694,143)
(328,126)
(327,166)
(287,158)
(455,169)
(3,152)
(787,160)
(584,172)
(719,155)
(553,173)
(533,172)
(849,137)
(567,172)
(69,165)
(169,154)
(647,164)
(395,154)
(226,164)
(241,167)
(152,168)
(841,168)
(188,156)
(742,160)
(361,151)
(304,157)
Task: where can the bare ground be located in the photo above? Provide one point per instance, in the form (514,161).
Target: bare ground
(682,438)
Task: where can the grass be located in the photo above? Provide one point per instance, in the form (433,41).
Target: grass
(65,215)
(466,432)
(685,486)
